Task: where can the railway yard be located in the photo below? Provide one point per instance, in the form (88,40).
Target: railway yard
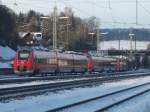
(74,56)
(63,81)
(96,92)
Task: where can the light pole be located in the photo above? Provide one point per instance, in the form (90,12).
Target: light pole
(55,28)
(44,27)
(98,37)
(42,22)
(135,41)
(119,43)
(92,34)
(136,11)
(67,25)
(131,37)
(102,35)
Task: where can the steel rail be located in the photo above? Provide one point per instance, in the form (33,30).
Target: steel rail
(12,92)
(57,77)
(63,108)
(123,100)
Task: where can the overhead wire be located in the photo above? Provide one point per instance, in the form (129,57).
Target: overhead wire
(79,10)
(114,20)
(97,5)
(109,4)
(148,12)
(111,13)
(100,1)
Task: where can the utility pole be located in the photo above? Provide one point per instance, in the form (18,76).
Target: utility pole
(67,30)
(136,11)
(55,27)
(98,37)
(131,38)
(68,34)
(135,42)
(119,44)
(131,42)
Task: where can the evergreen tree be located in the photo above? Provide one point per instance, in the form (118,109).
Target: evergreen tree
(8,35)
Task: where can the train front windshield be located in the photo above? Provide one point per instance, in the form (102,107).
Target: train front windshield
(23,54)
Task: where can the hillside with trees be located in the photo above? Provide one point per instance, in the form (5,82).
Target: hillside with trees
(73,33)
(8,32)
(76,28)
(123,34)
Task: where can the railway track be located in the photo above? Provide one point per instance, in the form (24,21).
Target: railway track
(21,90)
(46,78)
(15,79)
(104,102)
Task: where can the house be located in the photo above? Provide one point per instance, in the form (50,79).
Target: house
(26,38)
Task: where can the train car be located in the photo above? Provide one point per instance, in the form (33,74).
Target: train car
(23,62)
(103,63)
(38,61)
(72,62)
(30,62)
(109,64)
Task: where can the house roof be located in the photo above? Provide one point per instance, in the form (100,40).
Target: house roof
(23,34)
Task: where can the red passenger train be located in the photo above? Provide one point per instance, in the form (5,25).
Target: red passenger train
(33,61)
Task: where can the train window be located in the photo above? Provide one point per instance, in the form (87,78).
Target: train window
(52,61)
(79,62)
(23,54)
(63,62)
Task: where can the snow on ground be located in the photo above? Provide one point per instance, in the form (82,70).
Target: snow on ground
(124,44)
(6,53)
(103,102)
(5,65)
(51,100)
(138,72)
(37,82)
(138,104)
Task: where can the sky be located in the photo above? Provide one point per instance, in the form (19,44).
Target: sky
(110,13)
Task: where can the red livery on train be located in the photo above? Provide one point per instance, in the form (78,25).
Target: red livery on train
(38,61)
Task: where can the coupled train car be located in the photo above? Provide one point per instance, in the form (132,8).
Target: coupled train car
(33,61)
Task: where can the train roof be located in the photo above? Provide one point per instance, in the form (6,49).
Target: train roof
(102,58)
(60,55)
(39,52)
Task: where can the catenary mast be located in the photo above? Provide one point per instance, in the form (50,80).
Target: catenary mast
(55,27)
